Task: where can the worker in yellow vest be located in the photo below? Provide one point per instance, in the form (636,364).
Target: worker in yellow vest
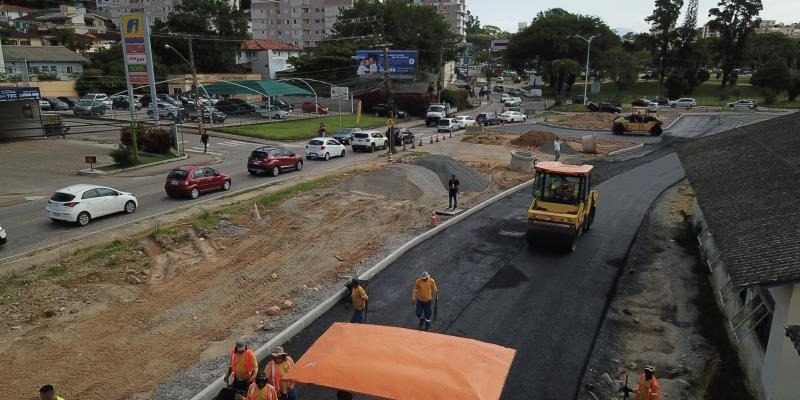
(359,297)
(48,392)
(280,364)
(261,389)
(425,291)
(243,367)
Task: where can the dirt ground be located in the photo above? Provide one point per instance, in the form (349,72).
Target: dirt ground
(603,121)
(541,143)
(114,321)
(653,319)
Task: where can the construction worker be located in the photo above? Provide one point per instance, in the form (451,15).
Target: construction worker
(278,366)
(261,389)
(243,367)
(359,297)
(648,388)
(48,392)
(425,291)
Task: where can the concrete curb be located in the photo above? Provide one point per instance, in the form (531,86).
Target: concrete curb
(549,125)
(625,150)
(674,121)
(212,390)
(95,172)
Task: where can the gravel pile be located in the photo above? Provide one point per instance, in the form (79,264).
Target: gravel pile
(397,182)
(534,139)
(444,166)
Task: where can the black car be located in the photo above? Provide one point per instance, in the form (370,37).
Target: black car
(486,119)
(56,104)
(235,107)
(345,135)
(382,110)
(121,103)
(282,105)
(603,107)
(403,136)
(68,101)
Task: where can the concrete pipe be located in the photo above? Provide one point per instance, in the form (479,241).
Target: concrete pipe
(589,144)
(521,160)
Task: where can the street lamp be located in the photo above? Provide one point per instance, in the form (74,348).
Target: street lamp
(588,47)
(190,61)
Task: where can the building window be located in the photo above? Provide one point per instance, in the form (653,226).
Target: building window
(755,316)
(53,69)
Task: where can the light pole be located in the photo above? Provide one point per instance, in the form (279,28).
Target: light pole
(588,48)
(194,83)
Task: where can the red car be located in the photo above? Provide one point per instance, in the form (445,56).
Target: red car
(273,160)
(191,180)
(308,107)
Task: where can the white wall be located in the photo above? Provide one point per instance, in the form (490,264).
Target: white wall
(782,364)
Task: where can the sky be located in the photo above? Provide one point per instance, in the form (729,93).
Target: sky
(628,14)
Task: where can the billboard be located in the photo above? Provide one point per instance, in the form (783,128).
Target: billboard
(402,64)
(18,94)
(134,48)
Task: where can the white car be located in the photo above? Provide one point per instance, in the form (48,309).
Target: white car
(465,121)
(685,102)
(3,237)
(324,148)
(504,97)
(82,203)
(447,125)
(272,111)
(512,116)
(513,102)
(99,98)
(499,79)
(750,104)
(369,141)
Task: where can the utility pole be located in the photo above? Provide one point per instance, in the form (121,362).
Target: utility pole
(588,48)
(660,72)
(389,96)
(196,89)
(440,82)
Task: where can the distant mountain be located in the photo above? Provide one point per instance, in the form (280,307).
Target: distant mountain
(622,31)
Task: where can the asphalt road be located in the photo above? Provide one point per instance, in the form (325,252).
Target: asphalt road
(495,288)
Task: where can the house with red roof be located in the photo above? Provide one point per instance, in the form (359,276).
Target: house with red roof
(266,56)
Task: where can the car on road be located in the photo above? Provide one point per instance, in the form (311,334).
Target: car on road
(89,108)
(684,102)
(369,141)
(749,104)
(193,180)
(499,88)
(513,116)
(403,136)
(513,102)
(209,113)
(69,102)
(345,135)
(271,111)
(99,97)
(382,110)
(3,236)
(447,125)
(499,79)
(324,148)
(603,107)
(273,161)
(487,119)
(166,110)
(504,97)
(465,121)
(56,104)
(516,92)
(311,108)
(82,203)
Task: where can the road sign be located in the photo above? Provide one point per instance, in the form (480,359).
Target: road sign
(339,92)
(390,123)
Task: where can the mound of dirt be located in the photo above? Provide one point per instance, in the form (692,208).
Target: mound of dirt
(534,139)
(397,182)
(589,120)
(486,138)
(444,167)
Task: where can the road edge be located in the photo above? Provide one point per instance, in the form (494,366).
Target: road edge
(211,391)
(96,172)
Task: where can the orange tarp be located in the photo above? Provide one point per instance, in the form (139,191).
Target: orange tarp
(396,363)
(561,168)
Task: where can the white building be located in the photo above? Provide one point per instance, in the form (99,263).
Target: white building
(156,10)
(10,12)
(266,57)
(454,11)
(749,227)
(302,23)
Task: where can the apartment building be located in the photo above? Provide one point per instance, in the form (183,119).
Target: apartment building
(10,12)
(156,10)
(302,23)
(454,11)
(771,26)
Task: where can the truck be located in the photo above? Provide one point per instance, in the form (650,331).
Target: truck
(437,112)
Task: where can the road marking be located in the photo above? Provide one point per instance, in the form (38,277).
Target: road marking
(200,151)
(232,143)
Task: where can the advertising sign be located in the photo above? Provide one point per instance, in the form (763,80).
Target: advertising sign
(339,92)
(135,52)
(18,94)
(132,26)
(402,64)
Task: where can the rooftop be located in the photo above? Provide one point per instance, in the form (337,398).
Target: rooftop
(42,53)
(13,8)
(745,181)
(266,44)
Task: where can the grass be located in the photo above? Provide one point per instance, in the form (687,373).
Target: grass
(273,199)
(105,252)
(144,158)
(303,128)
(569,108)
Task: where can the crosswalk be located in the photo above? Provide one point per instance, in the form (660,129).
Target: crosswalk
(213,148)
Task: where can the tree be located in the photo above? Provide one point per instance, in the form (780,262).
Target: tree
(762,48)
(772,78)
(663,20)
(794,87)
(734,20)
(621,67)
(561,69)
(473,24)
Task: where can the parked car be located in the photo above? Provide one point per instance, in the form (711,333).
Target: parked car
(513,102)
(651,105)
(684,102)
(447,125)
(487,119)
(282,105)
(369,140)
(209,113)
(273,161)
(513,116)
(192,180)
(325,148)
(750,104)
(55,104)
(661,101)
(44,104)
(345,135)
(99,97)
(499,88)
(504,97)
(603,107)
(89,108)
(166,110)
(382,110)
(82,203)
(403,136)
(309,107)
(3,236)
(465,121)
(272,111)
(517,79)
(121,103)
(244,106)
(499,79)
(69,102)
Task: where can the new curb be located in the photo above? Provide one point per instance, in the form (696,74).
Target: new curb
(211,391)
(97,172)
(625,150)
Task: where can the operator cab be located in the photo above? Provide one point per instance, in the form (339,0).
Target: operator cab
(564,184)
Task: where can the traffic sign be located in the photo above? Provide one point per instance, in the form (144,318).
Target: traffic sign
(390,123)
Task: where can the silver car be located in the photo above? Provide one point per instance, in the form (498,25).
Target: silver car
(89,108)
(3,237)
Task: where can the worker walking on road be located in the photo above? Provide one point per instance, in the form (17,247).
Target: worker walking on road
(261,389)
(557,148)
(243,367)
(452,190)
(425,291)
(48,392)
(280,364)
(648,388)
(359,297)
(204,140)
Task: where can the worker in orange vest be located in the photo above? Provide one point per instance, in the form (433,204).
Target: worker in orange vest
(425,291)
(261,390)
(243,367)
(648,388)
(278,366)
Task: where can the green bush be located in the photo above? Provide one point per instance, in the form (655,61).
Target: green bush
(770,95)
(122,156)
(149,140)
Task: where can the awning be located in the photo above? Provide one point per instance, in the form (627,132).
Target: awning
(396,363)
(265,88)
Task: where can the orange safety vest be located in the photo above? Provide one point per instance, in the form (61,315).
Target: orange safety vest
(276,376)
(248,361)
(648,391)
(267,393)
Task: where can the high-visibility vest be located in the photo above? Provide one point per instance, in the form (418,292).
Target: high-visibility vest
(275,375)
(248,360)
(267,393)
(649,390)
